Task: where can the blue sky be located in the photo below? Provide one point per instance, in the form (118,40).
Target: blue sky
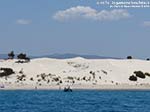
(39,27)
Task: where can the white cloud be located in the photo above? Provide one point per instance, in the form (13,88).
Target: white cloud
(90,13)
(23,21)
(146,23)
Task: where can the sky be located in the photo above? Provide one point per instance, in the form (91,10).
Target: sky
(41,27)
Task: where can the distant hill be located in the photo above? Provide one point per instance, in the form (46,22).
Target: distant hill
(65,56)
(68,55)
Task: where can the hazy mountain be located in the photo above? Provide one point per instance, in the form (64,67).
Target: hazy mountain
(65,56)
(68,55)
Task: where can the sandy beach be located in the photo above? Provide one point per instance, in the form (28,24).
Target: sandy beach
(78,87)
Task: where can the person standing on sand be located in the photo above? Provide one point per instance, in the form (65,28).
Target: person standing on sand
(35,87)
(2,86)
(59,87)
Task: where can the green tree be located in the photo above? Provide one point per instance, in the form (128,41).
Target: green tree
(11,55)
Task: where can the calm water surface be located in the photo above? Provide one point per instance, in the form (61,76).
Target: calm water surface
(76,101)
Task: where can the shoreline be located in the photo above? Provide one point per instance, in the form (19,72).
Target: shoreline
(77,87)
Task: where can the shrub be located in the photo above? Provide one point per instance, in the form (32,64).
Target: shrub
(84,78)
(6,72)
(129,57)
(39,80)
(104,72)
(43,76)
(21,78)
(48,81)
(133,78)
(31,78)
(23,56)
(91,72)
(20,61)
(147,74)
(21,71)
(70,78)
(56,79)
(139,74)
(78,78)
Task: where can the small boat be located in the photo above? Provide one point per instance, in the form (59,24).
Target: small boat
(67,89)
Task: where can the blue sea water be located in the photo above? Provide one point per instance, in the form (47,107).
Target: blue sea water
(76,101)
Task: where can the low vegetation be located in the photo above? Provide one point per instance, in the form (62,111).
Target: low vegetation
(22,58)
(104,72)
(21,78)
(6,72)
(133,78)
(11,55)
(147,74)
(129,57)
(70,78)
(139,74)
(31,79)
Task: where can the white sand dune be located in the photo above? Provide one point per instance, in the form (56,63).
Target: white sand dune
(77,72)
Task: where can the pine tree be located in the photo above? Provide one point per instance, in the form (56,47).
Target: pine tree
(11,55)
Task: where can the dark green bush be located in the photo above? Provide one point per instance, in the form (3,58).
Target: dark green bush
(90,72)
(21,78)
(21,56)
(6,72)
(56,79)
(70,78)
(129,57)
(139,74)
(84,78)
(24,57)
(133,78)
(147,74)
(11,55)
(31,78)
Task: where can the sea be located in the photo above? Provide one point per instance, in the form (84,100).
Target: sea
(76,101)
